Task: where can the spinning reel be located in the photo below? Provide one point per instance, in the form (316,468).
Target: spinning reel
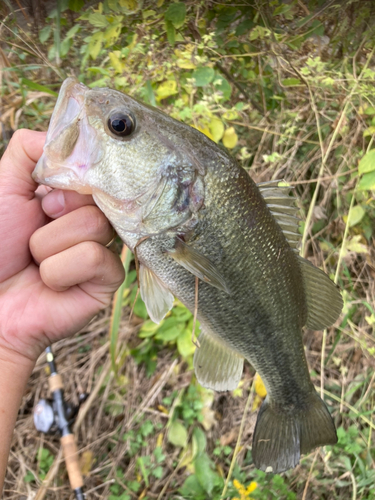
(56,416)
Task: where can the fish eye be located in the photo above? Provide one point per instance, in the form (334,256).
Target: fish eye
(121,124)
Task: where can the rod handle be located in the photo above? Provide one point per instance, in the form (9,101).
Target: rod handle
(55,382)
(71,457)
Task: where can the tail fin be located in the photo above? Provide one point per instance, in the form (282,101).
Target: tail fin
(280,436)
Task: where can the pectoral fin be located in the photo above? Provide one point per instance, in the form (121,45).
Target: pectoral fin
(324,301)
(216,365)
(198,265)
(157,298)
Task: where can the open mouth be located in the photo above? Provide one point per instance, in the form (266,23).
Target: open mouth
(72,145)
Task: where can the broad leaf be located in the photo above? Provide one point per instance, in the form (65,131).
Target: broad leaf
(176,14)
(367,163)
(203,76)
(367,182)
(177,434)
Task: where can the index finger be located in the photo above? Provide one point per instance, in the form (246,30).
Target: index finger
(19,159)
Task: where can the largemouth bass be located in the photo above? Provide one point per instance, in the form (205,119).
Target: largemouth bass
(191,211)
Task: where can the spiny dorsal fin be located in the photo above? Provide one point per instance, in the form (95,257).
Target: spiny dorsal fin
(323,297)
(216,365)
(282,207)
(198,265)
(157,298)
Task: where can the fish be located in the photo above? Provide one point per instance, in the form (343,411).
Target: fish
(194,216)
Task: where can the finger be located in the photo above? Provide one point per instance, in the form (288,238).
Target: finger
(95,268)
(18,162)
(87,223)
(58,202)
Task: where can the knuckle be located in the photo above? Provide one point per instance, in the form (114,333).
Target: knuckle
(16,139)
(94,253)
(18,135)
(95,221)
(46,273)
(34,245)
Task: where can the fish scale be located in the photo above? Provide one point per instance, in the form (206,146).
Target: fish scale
(191,211)
(257,319)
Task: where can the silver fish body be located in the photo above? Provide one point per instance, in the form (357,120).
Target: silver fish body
(190,211)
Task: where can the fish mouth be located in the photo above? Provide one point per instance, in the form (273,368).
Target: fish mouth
(58,177)
(72,146)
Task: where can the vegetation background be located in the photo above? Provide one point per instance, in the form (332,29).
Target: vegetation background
(288,87)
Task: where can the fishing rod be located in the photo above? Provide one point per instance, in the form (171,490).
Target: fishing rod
(57,416)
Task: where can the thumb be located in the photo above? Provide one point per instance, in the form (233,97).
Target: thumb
(18,162)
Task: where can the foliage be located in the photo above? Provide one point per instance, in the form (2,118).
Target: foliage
(288,87)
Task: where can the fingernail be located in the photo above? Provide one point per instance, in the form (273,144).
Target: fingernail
(54,203)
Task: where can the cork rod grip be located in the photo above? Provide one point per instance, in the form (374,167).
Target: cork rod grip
(55,382)
(71,459)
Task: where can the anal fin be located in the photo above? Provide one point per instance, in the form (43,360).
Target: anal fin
(157,298)
(216,365)
(323,297)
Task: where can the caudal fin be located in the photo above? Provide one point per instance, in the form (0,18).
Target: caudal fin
(281,436)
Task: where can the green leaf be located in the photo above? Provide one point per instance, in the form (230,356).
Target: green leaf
(144,470)
(166,89)
(192,489)
(367,182)
(36,86)
(176,14)
(95,45)
(148,13)
(44,34)
(223,86)
(29,477)
(184,344)
(112,32)
(157,472)
(140,309)
(203,76)
(291,82)
(171,32)
(199,441)
(98,20)
(76,5)
(129,6)
(148,329)
(205,475)
(72,31)
(170,334)
(367,162)
(356,215)
(65,46)
(177,434)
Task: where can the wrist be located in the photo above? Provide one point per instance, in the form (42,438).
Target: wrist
(15,363)
(15,371)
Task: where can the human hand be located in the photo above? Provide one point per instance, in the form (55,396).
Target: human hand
(54,275)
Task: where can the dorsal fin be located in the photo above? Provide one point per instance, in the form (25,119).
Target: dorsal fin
(283,208)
